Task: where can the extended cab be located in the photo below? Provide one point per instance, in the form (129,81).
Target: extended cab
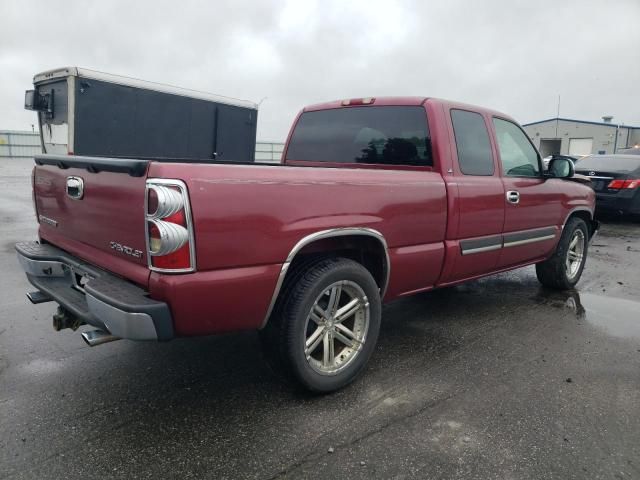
(375,199)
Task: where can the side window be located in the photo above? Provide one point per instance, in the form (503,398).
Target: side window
(472,143)
(518,157)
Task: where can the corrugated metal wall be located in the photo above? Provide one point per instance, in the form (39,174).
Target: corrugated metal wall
(16,144)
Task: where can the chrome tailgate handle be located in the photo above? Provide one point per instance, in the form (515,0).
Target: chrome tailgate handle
(75,187)
(513,197)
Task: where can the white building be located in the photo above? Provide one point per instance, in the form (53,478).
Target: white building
(578,137)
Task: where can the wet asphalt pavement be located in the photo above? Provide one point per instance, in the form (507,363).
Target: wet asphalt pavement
(498,378)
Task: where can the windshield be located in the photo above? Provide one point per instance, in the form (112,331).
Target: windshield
(391,135)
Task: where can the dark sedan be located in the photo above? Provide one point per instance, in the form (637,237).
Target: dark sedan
(616,180)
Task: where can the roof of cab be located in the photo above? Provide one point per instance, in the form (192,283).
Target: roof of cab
(404,101)
(377,101)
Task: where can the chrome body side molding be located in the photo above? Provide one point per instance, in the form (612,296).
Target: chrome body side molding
(488,248)
(479,245)
(333,232)
(513,239)
(505,240)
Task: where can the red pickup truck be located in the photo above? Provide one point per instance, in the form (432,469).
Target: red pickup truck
(375,199)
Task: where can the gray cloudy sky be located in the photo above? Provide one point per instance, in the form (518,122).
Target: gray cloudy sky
(514,56)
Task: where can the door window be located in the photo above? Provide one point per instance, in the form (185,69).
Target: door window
(472,143)
(518,157)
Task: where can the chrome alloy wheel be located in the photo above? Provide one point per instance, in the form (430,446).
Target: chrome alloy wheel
(575,253)
(336,327)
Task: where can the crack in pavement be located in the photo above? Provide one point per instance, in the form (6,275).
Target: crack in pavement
(394,421)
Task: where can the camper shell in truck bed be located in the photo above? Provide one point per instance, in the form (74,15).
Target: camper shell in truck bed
(85,112)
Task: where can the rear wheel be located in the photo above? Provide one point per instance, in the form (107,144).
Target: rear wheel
(325,325)
(564,268)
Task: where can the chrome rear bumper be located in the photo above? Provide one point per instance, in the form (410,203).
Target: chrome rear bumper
(96,297)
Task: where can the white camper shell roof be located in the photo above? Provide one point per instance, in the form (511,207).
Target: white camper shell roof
(137,83)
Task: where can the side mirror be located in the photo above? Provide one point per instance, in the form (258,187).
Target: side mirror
(39,102)
(30,98)
(561,168)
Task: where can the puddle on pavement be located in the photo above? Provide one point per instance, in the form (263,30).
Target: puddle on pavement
(617,316)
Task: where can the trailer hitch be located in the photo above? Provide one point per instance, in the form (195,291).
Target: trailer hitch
(63,318)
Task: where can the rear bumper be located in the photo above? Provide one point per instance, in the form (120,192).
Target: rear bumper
(623,202)
(96,297)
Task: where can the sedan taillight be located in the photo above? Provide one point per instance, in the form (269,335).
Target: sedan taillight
(623,184)
(169,230)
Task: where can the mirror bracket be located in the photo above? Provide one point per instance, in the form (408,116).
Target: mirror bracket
(39,102)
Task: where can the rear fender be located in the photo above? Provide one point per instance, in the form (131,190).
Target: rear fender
(313,239)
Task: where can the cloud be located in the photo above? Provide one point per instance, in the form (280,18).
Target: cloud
(512,56)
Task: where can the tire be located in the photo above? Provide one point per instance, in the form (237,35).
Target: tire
(304,330)
(563,269)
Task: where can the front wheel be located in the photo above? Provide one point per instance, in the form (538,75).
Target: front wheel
(326,324)
(564,268)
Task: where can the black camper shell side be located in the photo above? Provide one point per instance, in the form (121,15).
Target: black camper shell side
(111,116)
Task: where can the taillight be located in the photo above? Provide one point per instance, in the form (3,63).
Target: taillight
(169,230)
(623,184)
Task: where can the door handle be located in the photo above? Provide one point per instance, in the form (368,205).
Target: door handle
(513,196)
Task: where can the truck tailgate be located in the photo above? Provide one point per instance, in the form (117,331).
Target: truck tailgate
(105,226)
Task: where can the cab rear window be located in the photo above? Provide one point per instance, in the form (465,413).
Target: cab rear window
(387,135)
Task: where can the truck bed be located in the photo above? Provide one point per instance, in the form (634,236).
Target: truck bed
(247,218)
